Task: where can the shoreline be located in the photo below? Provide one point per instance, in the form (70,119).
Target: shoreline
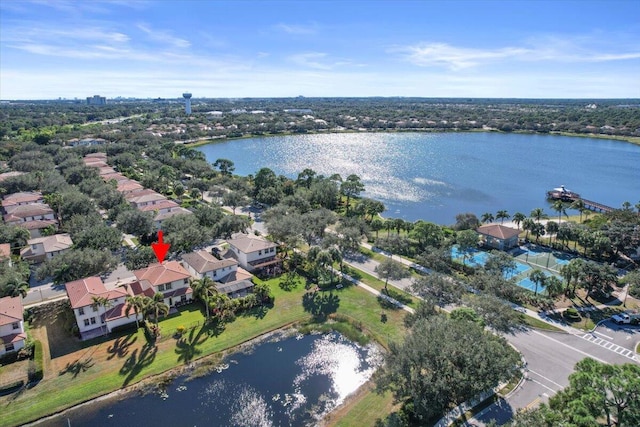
(223,138)
(170,374)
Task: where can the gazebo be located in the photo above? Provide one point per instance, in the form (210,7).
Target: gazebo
(498,236)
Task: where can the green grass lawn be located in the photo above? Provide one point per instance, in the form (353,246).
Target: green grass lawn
(539,324)
(109,365)
(378,284)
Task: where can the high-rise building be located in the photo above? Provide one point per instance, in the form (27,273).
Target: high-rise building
(96,100)
(187,102)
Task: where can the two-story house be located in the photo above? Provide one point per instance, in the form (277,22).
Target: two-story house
(254,253)
(163,216)
(12,335)
(96,319)
(169,278)
(148,198)
(19,199)
(128,186)
(159,206)
(43,248)
(229,278)
(34,217)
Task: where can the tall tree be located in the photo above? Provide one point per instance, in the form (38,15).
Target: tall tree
(205,290)
(518,217)
(135,303)
(502,215)
(225,166)
(538,214)
(538,277)
(351,187)
(389,269)
(104,302)
(156,306)
(487,217)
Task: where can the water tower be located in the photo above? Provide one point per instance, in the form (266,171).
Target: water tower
(187,102)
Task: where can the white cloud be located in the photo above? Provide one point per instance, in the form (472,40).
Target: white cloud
(296,28)
(551,49)
(164,37)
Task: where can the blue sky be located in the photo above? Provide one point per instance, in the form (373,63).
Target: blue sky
(532,49)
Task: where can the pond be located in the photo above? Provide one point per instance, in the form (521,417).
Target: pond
(286,380)
(435,176)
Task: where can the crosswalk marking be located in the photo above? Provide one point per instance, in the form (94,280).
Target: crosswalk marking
(610,346)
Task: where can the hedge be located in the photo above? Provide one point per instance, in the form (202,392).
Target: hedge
(36,371)
(10,388)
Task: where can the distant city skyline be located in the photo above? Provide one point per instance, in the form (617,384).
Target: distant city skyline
(227,49)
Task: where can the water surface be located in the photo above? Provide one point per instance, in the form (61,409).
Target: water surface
(286,381)
(435,176)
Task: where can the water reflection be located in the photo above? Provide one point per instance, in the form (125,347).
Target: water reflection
(287,381)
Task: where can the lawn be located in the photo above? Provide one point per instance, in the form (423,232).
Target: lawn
(378,284)
(82,371)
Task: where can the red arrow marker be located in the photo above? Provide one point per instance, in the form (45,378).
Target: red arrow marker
(160,248)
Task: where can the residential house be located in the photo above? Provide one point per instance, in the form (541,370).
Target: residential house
(128,186)
(498,236)
(159,206)
(140,200)
(20,199)
(162,216)
(12,335)
(34,217)
(138,193)
(229,279)
(94,320)
(6,175)
(5,253)
(44,248)
(169,278)
(254,253)
(118,177)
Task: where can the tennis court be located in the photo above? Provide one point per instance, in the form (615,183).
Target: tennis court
(530,285)
(543,258)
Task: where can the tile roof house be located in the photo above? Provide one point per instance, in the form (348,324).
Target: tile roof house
(254,253)
(118,177)
(95,320)
(169,278)
(160,206)
(128,186)
(498,236)
(162,216)
(230,279)
(43,248)
(138,193)
(7,175)
(5,252)
(23,198)
(12,335)
(140,200)
(34,217)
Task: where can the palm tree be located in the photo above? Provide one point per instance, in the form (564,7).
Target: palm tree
(560,207)
(518,217)
(156,306)
(578,204)
(527,224)
(487,217)
(553,286)
(537,277)
(552,228)
(54,200)
(15,287)
(502,215)
(104,302)
(137,304)
(538,214)
(205,290)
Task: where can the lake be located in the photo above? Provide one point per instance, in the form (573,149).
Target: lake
(287,380)
(434,176)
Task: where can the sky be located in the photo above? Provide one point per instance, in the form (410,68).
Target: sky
(227,49)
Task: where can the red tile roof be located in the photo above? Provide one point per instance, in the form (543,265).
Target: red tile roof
(498,231)
(13,338)
(22,197)
(81,291)
(162,204)
(5,250)
(158,274)
(10,310)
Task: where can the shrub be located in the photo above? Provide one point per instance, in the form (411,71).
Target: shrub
(572,314)
(126,327)
(36,370)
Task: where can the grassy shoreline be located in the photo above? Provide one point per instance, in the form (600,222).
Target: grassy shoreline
(97,371)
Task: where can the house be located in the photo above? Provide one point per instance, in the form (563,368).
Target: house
(201,263)
(140,200)
(34,217)
(498,236)
(5,253)
(254,253)
(237,283)
(11,174)
(138,193)
(94,320)
(162,216)
(128,186)
(160,206)
(169,278)
(118,177)
(19,199)
(12,335)
(44,248)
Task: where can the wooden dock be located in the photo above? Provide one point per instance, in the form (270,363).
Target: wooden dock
(588,204)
